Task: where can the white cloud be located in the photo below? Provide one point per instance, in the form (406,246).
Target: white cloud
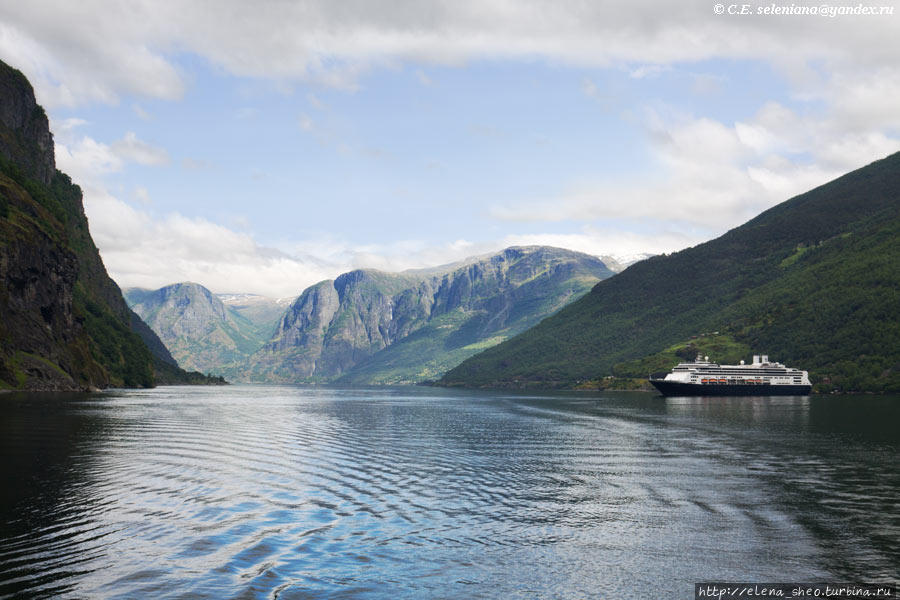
(135,150)
(315,102)
(78,53)
(713,175)
(706,84)
(609,242)
(590,88)
(340,256)
(647,71)
(66,126)
(142,195)
(423,78)
(93,50)
(142,251)
(140,112)
(194,164)
(86,160)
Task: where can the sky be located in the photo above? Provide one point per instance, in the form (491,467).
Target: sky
(261,147)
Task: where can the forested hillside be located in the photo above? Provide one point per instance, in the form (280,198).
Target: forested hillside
(813,282)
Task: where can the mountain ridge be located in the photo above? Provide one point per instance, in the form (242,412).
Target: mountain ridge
(756,282)
(367,325)
(366,315)
(198,328)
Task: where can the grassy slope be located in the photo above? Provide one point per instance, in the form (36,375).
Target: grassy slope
(812,282)
(260,321)
(424,354)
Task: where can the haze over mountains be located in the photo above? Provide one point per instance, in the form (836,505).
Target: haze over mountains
(368,326)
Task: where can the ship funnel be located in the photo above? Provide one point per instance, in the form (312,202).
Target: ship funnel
(765,358)
(756,359)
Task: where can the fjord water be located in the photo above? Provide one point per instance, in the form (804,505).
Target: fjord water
(282,492)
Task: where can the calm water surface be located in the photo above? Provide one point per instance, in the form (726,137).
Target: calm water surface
(280,492)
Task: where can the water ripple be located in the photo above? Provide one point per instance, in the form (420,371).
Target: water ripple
(253,492)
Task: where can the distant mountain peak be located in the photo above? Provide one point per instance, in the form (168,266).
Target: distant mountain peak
(409,326)
(620,262)
(205,331)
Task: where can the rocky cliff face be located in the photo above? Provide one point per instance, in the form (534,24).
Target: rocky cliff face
(195,306)
(372,327)
(302,329)
(63,322)
(25,138)
(200,330)
(43,345)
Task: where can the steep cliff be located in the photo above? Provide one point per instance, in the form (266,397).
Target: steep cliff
(63,322)
(25,138)
(367,326)
(199,329)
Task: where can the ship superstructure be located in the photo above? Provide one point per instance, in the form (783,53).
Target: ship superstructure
(761,378)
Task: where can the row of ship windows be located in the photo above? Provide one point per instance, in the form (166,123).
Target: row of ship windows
(695,377)
(741,371)
(736,369)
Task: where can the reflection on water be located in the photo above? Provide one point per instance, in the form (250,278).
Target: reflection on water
(265,492)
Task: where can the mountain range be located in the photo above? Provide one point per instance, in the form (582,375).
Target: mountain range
(204,331)
(368,326)
(64,324)
(813,282)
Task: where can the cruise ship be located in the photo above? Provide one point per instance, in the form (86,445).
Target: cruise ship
(762,378)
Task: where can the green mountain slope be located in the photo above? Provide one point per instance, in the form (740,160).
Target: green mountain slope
(262,312)
(200,331)
(371,327)
(63,322)
(813,282)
